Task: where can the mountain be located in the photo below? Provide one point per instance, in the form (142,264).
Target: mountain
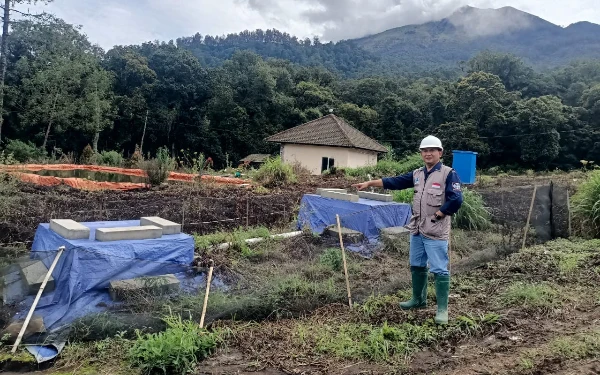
(433,45)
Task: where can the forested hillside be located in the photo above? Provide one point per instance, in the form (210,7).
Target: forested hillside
(64,93)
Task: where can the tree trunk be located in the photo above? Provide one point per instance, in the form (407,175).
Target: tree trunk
(50,122)
(144,133)
(95,140)
(3,59)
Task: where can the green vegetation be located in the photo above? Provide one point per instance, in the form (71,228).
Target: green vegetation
(274,173)
(586,204)
(332,259)
(110,158)
(473,215)
(387,167)
(24,152)
(403,196)
(237,238)
(534,296)
(177,350)
(158,169)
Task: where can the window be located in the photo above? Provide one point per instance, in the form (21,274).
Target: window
(327,163)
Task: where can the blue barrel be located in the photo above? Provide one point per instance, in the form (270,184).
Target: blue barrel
(465,164)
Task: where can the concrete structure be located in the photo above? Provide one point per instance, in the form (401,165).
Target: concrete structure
(348,235)
(327,142)
(70,229)
(167,226)
(36,325)
(33,274)
(376,196)
(340,196)
(396,232)
(145,232)
(321,190)
(154,285)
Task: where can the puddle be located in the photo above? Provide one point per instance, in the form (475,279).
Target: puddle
(91,175)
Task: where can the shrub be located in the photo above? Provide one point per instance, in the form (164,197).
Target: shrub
(158,169)
(111,158)
(24,152)
(472,215)
(387,167)
(136,157)
(586,205)
(404,196)
(177,350)
(332,258)
(274,172)
(87,155)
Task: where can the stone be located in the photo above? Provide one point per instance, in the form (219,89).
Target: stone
(348,235)
(168,227)
(144,232)
(321,190)
(36,325)
(376,196)
(340,196)
(154,285)
(33,274)
(70,229)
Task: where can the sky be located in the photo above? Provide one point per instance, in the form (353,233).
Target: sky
(124,22)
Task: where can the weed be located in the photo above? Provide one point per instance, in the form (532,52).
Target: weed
(174,351)
(404,196)
(110,158)
(332,258)
(472,215)
(576,347)
(376,304)
(158,169)
(486,180)
(531,296)
(586,204)
(526,363)
(236,238)
(274,172)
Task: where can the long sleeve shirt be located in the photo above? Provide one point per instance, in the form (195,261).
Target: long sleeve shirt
(453,191)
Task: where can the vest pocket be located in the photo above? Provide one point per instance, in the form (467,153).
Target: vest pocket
(434,197)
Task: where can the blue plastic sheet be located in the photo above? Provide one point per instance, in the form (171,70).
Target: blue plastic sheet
(366,216)
(85,269)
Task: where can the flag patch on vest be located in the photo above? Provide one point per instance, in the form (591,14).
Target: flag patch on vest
(435,185)
(456,186)
(416,181)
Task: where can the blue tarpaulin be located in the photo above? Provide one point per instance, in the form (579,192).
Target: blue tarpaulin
(85,269)
(366,216)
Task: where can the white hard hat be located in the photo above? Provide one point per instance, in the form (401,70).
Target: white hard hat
(431,142)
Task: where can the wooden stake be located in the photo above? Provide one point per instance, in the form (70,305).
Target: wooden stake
(247,212)
(208,281)
(569,212)
(344,259)
(37,299)
(529,217)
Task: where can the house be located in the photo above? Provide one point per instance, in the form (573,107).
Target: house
(327,142)
(254,160)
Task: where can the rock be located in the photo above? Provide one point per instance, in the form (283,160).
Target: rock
(154,285)
(36,325)
(348,235)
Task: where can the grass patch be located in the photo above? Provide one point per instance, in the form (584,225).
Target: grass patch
(531,296)
(274,172)
(387,167)
(403,196)
(174,351)
(237,238)
(473,214)
(332,259)
(586,205)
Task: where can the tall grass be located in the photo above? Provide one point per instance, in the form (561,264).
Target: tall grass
(586,205)
(404,196)
(387,167)
(158,169)
(274,172)
(473,214)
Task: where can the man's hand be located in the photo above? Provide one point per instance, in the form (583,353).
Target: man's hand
(440,214)
(362,185)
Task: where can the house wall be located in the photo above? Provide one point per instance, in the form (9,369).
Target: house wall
(311,156)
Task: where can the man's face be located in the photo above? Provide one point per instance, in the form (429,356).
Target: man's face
(431,156)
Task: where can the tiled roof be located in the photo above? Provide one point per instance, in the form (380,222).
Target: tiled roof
(329,130)
(255,158)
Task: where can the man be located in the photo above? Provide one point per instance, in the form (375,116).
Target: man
(437,197)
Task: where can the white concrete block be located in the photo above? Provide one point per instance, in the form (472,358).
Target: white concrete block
(33,274)
(167,226)
(376,196)
(340,196)
(321,190)
(70,229)
(145,232)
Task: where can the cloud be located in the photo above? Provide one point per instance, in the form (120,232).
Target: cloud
(111,22)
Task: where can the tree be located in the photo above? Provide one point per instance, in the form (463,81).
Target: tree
(4,45)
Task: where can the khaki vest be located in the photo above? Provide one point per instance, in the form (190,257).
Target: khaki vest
(427,201)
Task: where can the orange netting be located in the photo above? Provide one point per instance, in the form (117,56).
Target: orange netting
(85,184)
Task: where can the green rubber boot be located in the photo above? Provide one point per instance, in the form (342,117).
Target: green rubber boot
(442,289)
(419,289)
